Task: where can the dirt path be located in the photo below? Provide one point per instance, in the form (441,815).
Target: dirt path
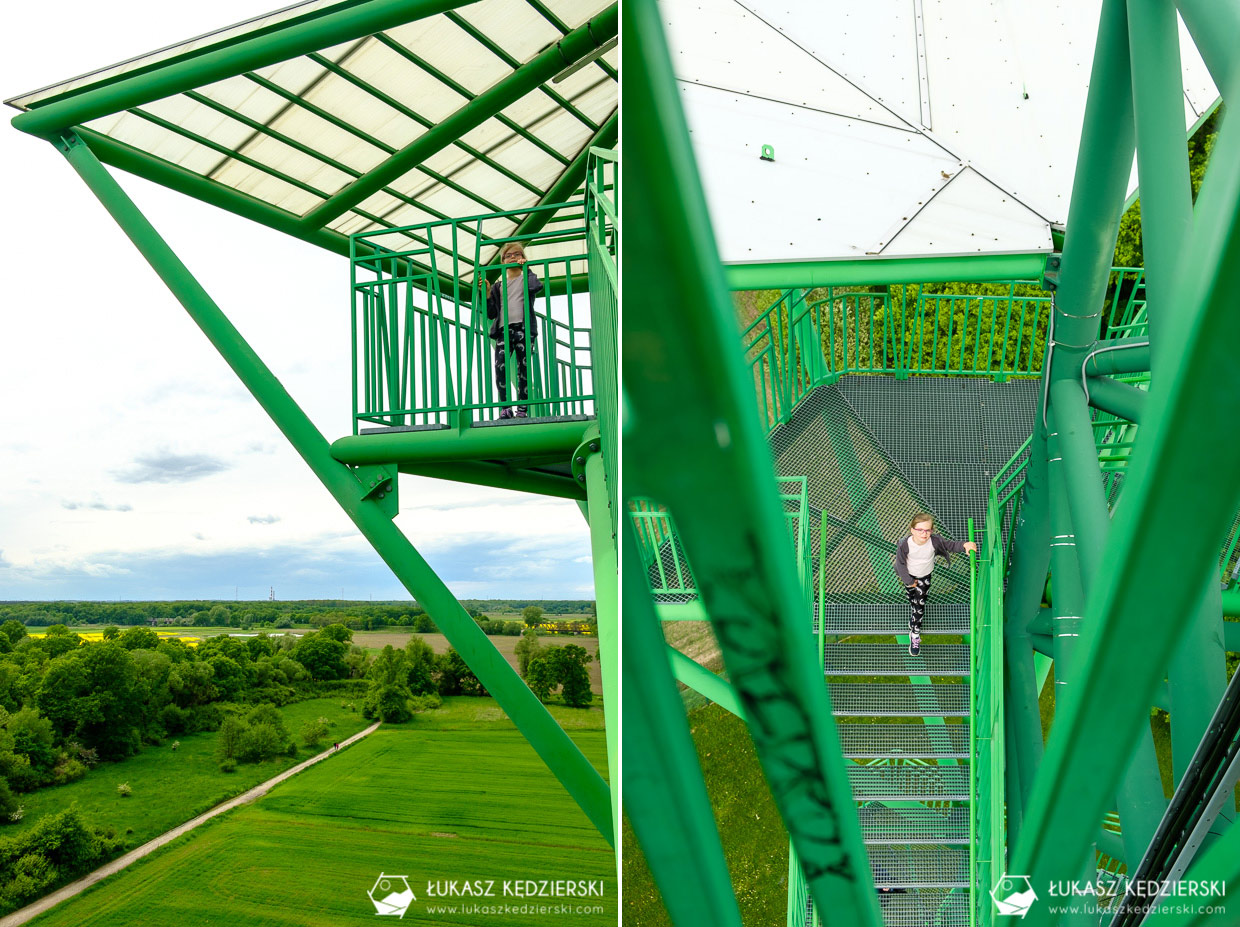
(25,914)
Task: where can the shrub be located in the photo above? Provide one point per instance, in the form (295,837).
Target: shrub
(228,765)
(313,731)
(124,790)
(426,702)
(8,804)
(68,770)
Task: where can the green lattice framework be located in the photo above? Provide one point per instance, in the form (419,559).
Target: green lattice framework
(562,455)
(1107,633)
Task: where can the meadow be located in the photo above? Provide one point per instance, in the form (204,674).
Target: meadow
(456,795)
(171,786)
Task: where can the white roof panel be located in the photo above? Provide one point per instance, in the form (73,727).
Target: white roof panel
(987,93)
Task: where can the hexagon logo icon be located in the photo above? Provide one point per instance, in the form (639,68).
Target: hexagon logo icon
(391,895)
(1014,895)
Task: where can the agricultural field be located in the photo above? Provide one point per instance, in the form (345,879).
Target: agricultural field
(171,786)
(375,641)
(457,796)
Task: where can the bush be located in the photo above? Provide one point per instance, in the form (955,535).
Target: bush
(425,702)
(228,765)
(313,731)
(68,770)
(124,790)
(8,804)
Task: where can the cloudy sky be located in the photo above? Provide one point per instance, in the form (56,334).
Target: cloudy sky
(133,465)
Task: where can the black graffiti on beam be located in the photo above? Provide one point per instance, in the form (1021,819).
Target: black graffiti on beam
(746,625)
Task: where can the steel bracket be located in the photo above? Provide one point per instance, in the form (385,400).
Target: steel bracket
(378,484)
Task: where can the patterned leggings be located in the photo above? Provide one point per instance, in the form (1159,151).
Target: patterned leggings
(516,343)
(917,601)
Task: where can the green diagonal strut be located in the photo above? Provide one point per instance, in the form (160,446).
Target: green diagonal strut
(550,741)
(578,43)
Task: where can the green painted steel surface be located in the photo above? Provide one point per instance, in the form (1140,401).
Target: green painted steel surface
(423,353)
(884,271)
(713,451)
(602,221)
(550,441)
(550,741)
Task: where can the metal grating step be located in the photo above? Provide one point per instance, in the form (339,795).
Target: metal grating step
(882,699)
(892,618)
(881,824)
(909,783)
(925,908)
(895,660)
(920,866)
(923,741)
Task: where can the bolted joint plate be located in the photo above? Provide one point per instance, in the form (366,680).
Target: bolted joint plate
(378,484)
(585,450)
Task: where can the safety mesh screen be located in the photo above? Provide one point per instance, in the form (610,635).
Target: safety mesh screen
(881,824)
(865,496)
(923,907)
(904,739)
(909,783)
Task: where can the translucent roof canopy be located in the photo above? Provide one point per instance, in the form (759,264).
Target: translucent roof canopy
(891,127)
(329,118)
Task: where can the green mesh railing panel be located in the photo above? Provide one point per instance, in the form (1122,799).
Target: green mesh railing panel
(422,353)
(602,245)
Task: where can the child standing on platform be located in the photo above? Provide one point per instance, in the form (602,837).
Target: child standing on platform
(915,562)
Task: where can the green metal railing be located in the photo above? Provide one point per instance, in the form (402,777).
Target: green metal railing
(987,858)
(807,338)
(602,220)
(423,355)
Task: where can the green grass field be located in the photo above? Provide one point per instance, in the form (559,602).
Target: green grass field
(456,795)
(172,786)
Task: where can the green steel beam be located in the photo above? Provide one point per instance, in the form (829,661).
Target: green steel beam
(549,440)
(664,794)
(1118,398)
(704,682)
(1103,165)
(1162,157)
(1119,357)
(531,717)
(571,179)
(607,605)
(213,64)
(1140,797)
(691,611)
(785,275)
(1218,865)
(1197,675)
(486,42)
(563,29)
(693,440)
(1091,520)
(577,43)
(1175,488)
(484,473)
(1231,607)
(1214,26)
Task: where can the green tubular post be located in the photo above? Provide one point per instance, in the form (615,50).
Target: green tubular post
(606,604)
(1175,489)
(693,441)
(663,791)
(214,64)
(577,43)
(543,440)
(1140,797)
(547,738)
(884,271)
(1118,398)
(1213,26)
(1082,478)
(1098,188)
(1162,158)
(1197,675)
(704,682)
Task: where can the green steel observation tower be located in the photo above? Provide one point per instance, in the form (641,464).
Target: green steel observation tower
(930,196)
(411,140)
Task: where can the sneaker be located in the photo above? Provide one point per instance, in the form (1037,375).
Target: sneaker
(505,412)
(521,412)
(914,644)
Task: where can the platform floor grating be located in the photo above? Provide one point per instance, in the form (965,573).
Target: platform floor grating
(925,908)
(904,739)
(891,700)
(892,618)
(909,783)
(881,824)
(921,866)
(856,659)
